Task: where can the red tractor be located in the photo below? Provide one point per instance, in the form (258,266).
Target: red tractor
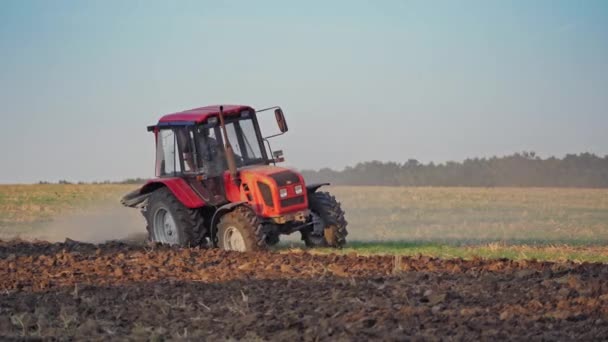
(216,186)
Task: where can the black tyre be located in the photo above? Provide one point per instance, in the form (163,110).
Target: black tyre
(272,239)
(170,222)
(241,230)
(329,228)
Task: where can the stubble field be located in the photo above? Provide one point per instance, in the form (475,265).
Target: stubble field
(132,290)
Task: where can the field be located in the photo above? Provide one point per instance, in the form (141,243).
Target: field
(516,223)
(514,215)
(119,291)
(548,224)
(388,284)
(23,208)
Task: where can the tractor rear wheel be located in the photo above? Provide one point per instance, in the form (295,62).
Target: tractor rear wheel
(241,230)
(329,224)
(170,222)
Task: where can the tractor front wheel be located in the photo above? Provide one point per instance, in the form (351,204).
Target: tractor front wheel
(170,222)
(329,226)
(241,230)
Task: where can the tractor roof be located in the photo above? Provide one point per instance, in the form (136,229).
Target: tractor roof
(198,115)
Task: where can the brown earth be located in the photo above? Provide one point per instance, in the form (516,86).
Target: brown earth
(123,291)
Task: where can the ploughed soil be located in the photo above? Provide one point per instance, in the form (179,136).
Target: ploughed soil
(120,291)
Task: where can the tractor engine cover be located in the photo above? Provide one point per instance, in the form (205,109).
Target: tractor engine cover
(273,192)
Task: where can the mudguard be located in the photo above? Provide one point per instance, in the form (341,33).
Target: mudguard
(314,187)
(134,199)
(178,186)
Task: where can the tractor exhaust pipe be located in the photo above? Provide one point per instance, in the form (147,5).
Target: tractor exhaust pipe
(228,148)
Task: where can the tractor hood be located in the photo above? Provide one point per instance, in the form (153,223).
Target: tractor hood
(281,175)
(272,191)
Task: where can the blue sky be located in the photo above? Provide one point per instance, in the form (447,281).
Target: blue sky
(359,80)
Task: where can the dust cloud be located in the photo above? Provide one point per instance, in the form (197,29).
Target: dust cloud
(95,225)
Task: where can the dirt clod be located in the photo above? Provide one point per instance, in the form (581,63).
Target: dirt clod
(127,291)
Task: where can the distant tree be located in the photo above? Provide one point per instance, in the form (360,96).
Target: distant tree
(133,181)
(520,170)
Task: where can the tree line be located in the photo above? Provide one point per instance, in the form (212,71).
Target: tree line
(524,169)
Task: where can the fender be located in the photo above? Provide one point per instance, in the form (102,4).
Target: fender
(135,199)
(314,187)
(179,187)
(216,216)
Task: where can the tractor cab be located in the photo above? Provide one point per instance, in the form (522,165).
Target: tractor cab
(189,144)
(192,144)
(217,185)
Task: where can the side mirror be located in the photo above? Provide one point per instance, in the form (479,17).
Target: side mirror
(278,114)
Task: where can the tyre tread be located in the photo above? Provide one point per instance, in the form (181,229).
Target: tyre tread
(189,222)
(332,214)
(253,229)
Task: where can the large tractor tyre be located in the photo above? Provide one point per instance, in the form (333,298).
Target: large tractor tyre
(241,230)
(170,222)
(329,224)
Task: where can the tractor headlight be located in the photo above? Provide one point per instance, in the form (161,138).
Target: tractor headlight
(283,192)
(298,189)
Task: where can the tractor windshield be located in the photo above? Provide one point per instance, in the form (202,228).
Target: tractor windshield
(244,141)
(243,138)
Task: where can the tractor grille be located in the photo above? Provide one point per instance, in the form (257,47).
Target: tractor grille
(292,201)
(285,178)
(266,194)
